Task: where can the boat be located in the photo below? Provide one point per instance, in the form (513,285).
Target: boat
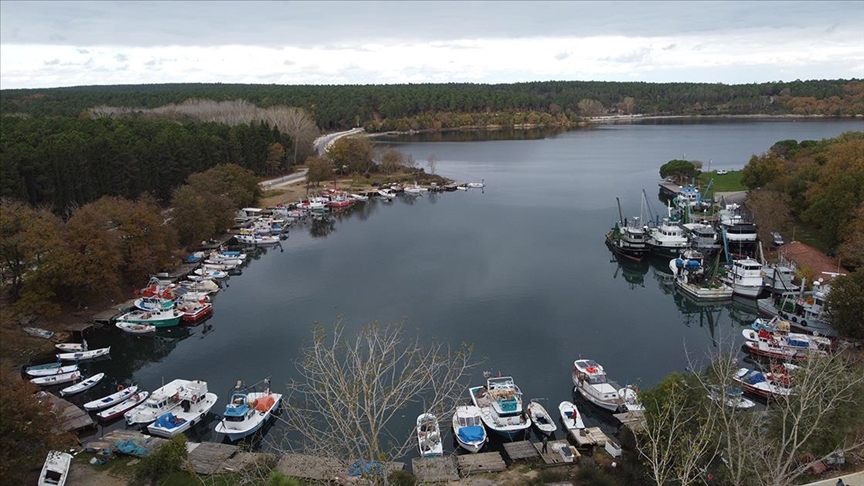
(57,378)
(82,346)
(58,370)
(341,202)
(195,311)
(166,318)
(667,240)
(589,378)
(247,412)
(113,399)
(195,403)
(210,273)
(778,279)
(745,277)
(784,346)
(692,278)
(736,228)
(630,397)
(570,416)
(500,404)
(804,310)
(358,197)
(429,435)
(119,409)
(627,237)
(46,366)
(133,328)
(703,237)
(766,385)
(477,185)
(38,332)
(387,194)
(541,418)
(84,355)
(162,400)
(733,398)
(55,470)
(468,428)
(154,304)
(83,385)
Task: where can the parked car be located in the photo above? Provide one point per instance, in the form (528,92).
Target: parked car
(722,172)
(777,239)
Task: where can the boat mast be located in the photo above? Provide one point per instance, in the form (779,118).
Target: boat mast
(620,214)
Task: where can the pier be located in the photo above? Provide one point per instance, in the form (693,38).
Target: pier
(589,437)
(435,469)
(73,418)
(479,463)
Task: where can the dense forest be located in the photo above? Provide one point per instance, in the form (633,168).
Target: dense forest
(418,106)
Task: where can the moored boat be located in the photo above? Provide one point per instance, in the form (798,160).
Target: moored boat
(195,404)
(590,380)
(766,385)
(84,355)
(165,318)
(113,399)
(38,332)
(745,278)
(429,435)
(55,470)
(83,385)
(468,428)
(733,398)
(133,328)
(54,370)
(57,379)
(541,418)
(119,409)
(692,279)
(247,412)
(570,416)
(500,404)
(163,399)
(195,311)
(71,347)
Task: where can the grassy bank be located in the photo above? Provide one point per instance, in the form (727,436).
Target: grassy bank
(729,182)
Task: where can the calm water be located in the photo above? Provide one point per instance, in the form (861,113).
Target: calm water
(519,269)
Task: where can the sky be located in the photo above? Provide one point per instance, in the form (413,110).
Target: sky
(68,43)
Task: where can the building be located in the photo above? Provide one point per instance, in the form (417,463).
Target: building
(810,261)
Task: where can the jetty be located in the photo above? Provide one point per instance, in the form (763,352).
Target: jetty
(589,437)
(481,462)
(73,418)
(435,469)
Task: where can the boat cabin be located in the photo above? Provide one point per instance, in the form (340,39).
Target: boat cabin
(590,372)
(237,409)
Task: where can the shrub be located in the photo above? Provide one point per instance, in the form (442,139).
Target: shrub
(166,459)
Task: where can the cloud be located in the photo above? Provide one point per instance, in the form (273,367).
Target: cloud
(121,58)
(52,62)
(562,55)
(82,51)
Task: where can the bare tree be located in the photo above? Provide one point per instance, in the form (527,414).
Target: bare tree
(353,387)
(432,163)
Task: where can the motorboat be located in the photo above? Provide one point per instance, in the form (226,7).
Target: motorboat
(590,380)
(358,197)
(692,279)
(541,418)
(246,413)
(745,277)
(55,470)
(570,416)
(45,366)
(122,407)
(195,311)
(667,239)
(703,237)
(120,395)
(165,318)
(195,403)
(500,404)
(133,328)
(804,310)
(162,400)
(733,398)
(56,370)
(154,304)
(766,385)
(83,385)
(468,428)
(387,194)
(57,379)
(212,273)
(476,185)
(628,238)
(84,355)
(784,346)
(429,435)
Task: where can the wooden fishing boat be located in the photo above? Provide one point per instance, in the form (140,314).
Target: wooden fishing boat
(83,385)
(113,399)
(56,379)
(54,370)
(83,355)
(119,409)
(541,418)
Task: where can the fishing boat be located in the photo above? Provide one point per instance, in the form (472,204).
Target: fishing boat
(766,385)
(165,318)
(55,470)
(733,398)
(778,279)
(133,328)
(122,394)
(119,409)
(667,240)
(468,428)
(541,418)
(162,400)
(500,404)
(692,278)
(784,346)
(54,370)
(71,347)
(745,277)
(84,355)
(804,310)
(57,378)
(628,237)
(83,385)
(247,412)
(195,404)
(194,311)
(589,378)
(154,304)
(570,416)
(45,366)
(429,435)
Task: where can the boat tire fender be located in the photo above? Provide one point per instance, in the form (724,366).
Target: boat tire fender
(803,323)
(119,388)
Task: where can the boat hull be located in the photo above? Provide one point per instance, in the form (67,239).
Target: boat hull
(190,418)
(235,434)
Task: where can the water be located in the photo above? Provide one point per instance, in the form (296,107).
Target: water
(519,270)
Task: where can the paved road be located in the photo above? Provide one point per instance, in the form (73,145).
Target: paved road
(323,142)
(298,176)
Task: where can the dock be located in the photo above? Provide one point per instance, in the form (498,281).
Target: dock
(521,450)
(634,420)
(109,315)
(73,418)
(435,469)
(670,189)
(209,458)
(553,456)
(479,463)
(110,440)
(322,469)
(589,437)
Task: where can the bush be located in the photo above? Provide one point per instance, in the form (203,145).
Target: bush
(278,479)
(402,478)
(594,476)
(160,463)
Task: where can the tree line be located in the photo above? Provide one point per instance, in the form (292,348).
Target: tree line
(379,107)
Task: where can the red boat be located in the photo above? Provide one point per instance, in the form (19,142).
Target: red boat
(341,203)
(195,311)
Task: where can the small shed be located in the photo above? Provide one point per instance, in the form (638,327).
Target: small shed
(801,257)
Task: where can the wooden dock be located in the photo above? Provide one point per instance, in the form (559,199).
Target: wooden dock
(109,440)
(588,437)
(553,457)
(435,469)
(73,418)
(109,315)
(634,420)
(479,463)
(208,457)
(521,450)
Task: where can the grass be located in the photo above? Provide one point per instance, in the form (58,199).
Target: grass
(728,182)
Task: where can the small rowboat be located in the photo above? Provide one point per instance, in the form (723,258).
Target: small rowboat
(112,399)
(55,471)
(45,366)
(59,370)
(82,386)
(119,409)
(133,328)
(72,347)
(82,355)
(56,379)
(570,416)
(541,418)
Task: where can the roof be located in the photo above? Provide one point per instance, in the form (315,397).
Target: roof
(805,256)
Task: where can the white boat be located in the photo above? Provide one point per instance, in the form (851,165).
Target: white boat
(462,188)
(734,398)
(164,399)
(38,332)
(58,370)
(804,310)
(541,418)
(591,381)
(358,197)
(45,366)
(154,303)
(667,240)
(55,471)
(387,194)
(690,277)
(570,416)
(736,228)
(57,379)
(779,279)
(162,318)
(784,346)
(121,408)
(468,428)
(477,185)
(83,355)
(195,404)
(767,385)
(500,404)
(113,399)
(246,413)
(133,328)
(429,435)
(82,346)
(210,273)
(82,385)
(745,278)
(630,397)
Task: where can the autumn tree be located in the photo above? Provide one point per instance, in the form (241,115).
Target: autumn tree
(237,184)
(197,215)
(851,249)
(761,169)
(589,107)
(432,163)
(771,210)
(845,304)
(275,155)
(27,237)
(353,387)
(391,161)
(679,170)
(320,169)
(355,153)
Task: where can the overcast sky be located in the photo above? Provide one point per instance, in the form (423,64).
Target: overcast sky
(67,43)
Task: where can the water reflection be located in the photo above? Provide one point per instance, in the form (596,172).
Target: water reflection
(473,135)
(632,272)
